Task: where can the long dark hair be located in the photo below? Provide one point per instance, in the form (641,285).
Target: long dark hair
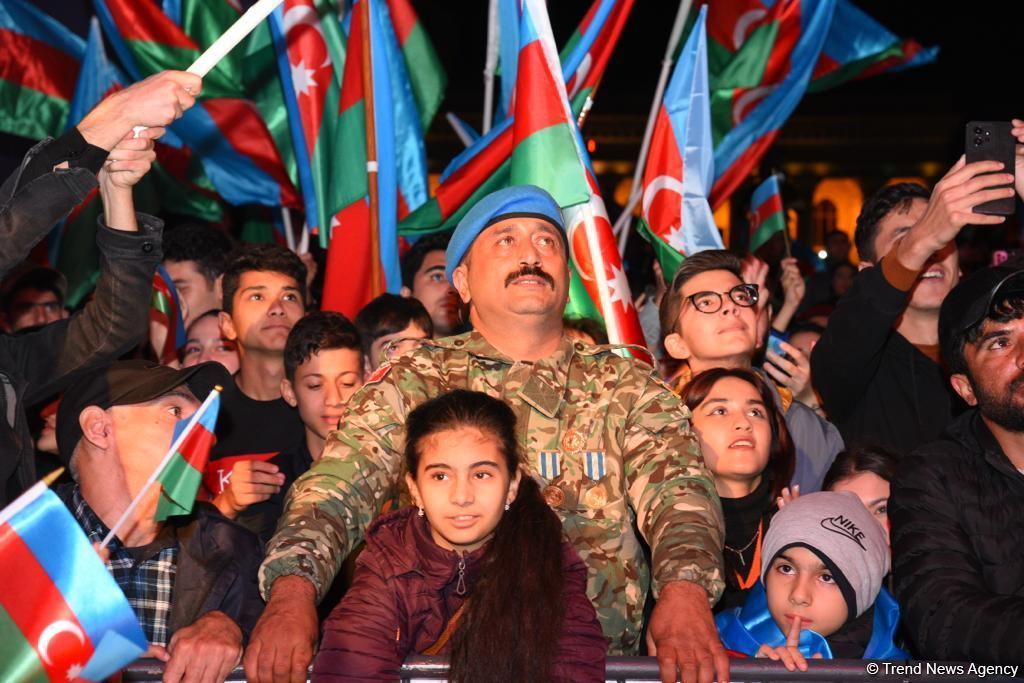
(858,460)
(781,457)
(514,614)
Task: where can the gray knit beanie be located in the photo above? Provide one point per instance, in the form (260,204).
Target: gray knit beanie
(836,527)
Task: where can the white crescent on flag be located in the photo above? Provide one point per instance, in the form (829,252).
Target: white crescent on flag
(50,632)
(662,182)
(746,20)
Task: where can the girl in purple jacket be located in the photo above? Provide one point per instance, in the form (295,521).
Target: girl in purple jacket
(478,570)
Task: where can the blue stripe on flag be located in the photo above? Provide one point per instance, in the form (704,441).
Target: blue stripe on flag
(764,192)
(48,529)
(21,17)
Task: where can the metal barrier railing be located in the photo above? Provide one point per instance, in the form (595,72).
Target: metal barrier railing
(629,669)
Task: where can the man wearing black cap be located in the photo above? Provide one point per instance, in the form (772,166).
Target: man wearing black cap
(192,579)
(957,505)
(609,443)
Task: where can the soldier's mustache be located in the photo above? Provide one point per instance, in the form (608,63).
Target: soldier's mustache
(530,271)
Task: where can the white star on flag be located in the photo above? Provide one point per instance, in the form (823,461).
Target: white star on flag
(676,239)
(74,671)
(618,287)
(302,78)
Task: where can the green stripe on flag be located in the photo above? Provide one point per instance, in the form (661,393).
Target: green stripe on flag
(29,113)
(667,256)
(426,75)
(180,482)
(851,70)
(580,305)
(18,660)
(771,225)
(548,158)
(153,57)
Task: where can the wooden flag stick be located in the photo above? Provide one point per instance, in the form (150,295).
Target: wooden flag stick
(371,148)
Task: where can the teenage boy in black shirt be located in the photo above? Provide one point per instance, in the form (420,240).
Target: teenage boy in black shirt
(264,296)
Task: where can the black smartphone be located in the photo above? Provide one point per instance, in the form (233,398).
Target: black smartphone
(992,141)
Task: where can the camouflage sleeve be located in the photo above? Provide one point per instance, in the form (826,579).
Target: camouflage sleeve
(678,510)
(329,507)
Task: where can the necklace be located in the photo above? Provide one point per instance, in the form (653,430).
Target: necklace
(739,552)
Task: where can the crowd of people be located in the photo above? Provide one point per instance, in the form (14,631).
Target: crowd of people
(817,467)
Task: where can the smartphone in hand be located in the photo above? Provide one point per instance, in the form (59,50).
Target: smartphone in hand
(992,141)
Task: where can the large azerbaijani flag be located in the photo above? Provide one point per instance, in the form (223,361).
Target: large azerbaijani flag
(189,453)
(766,214)
(675,215)
(39,60)
(484,166)
(62,615)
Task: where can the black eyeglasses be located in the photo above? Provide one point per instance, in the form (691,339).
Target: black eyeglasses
(711,302)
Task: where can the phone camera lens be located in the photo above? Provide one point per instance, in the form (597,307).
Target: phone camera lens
(978,131)
(977,142)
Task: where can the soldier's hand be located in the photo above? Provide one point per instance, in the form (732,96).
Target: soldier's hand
(284,640)
(683,636)
(252,481)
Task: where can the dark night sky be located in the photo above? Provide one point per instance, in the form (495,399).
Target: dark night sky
(979,73)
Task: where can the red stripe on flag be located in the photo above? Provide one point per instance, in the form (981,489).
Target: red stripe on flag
(735,174)
(39,610)
(349,283)
(545,108)
(352,78)
(34,64)
(768,207)
(307,48)
(723,19)
(404,18)
(145,21)
(196,447)
(787,13)
(245,130)
(458,187)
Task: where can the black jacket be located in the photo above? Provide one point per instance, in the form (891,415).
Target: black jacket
(875,385)
(957,514)
(35,365)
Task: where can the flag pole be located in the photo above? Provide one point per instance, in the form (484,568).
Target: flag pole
(175,445)
(490,65)
(371,148)
(286,221)
(459,132)
(621,224)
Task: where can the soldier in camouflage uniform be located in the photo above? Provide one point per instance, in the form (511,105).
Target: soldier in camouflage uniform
(608,441)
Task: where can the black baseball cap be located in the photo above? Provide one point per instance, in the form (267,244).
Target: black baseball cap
(127,383)
(969,303)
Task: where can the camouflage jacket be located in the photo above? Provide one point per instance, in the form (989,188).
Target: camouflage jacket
(609,443)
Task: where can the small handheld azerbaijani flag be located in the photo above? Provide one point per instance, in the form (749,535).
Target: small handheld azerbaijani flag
(766,214)
(67,619)
(165,310)
(183,470)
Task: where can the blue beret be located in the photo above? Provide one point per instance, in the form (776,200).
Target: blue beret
(518,200)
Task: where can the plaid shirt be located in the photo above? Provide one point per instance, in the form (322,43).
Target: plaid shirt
(146,574)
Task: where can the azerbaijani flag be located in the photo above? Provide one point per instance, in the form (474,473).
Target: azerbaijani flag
(675,215)
(766,214)
(484,166)
(363,263)
(426,75)
(761,59)
(165,311)
(39,60)
(62,615)
(183,470)
(859,47)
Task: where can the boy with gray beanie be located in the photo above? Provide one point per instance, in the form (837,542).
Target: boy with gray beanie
(820,593)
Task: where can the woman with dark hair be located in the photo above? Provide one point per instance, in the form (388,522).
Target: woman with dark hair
(866,471)
(478,570)
(747,447)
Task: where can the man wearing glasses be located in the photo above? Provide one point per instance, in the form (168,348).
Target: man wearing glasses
(709,320)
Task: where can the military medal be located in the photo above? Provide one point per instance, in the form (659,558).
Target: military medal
(549,464)
(593,464)
(573,441)
(554,496)
(596,497)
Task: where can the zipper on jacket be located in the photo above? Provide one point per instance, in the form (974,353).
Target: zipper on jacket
(460,586)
